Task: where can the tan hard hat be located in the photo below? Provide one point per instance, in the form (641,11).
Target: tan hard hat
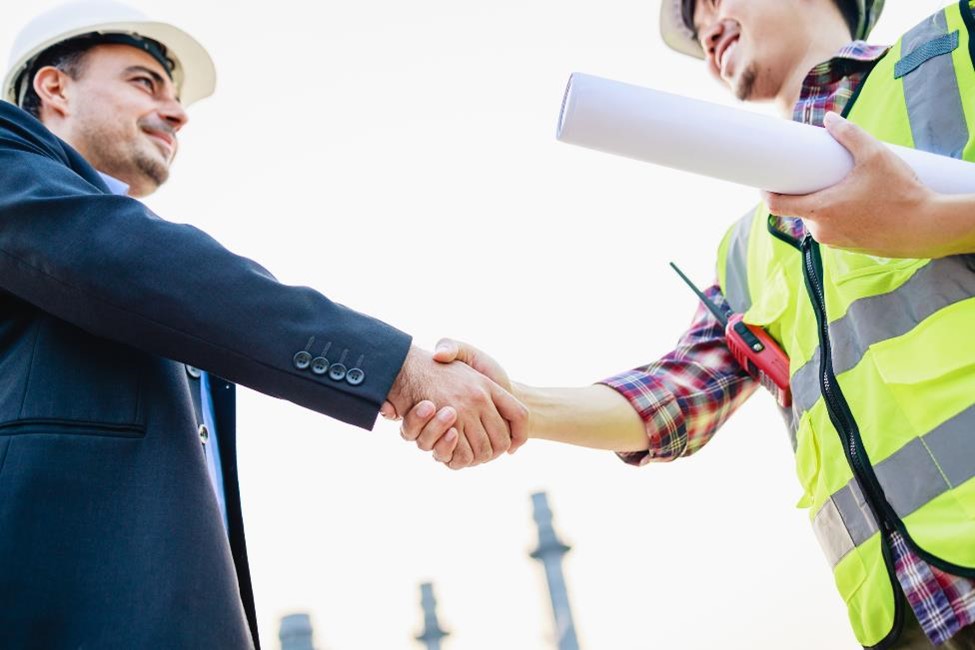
(192,69)
(678,36)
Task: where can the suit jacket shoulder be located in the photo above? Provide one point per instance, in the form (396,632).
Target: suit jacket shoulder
(111,267)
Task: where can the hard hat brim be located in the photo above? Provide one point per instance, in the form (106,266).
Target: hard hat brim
(195,75)
(675,33)
(680,38)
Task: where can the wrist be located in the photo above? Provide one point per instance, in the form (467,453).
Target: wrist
(402,395)
(952,217)
(528,395)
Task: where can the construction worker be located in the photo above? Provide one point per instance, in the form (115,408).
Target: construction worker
(120,515)
(872,295)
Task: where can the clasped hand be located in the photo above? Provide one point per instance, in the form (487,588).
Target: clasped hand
(453,404)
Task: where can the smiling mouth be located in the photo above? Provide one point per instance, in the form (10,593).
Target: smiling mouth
(729,45)
(167,143)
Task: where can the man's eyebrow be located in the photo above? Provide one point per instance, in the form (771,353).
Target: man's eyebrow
(141,68)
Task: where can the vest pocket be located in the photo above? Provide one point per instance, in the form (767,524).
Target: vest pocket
(772,302)
(807,461)
(845,266)
(930,371)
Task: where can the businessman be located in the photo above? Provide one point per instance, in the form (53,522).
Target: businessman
(122,335)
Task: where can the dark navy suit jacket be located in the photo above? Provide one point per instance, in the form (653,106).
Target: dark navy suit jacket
(110,534)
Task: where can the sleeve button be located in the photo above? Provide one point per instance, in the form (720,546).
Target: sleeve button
(319,365)
(337,372)
(302,360)
(355,376)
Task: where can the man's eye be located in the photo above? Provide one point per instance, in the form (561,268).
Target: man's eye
(146,81)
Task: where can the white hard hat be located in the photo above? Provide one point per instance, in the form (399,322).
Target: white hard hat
(675,32)
(679,36)
(192,68)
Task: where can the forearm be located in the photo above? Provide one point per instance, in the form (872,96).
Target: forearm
(952,217)
(592,416)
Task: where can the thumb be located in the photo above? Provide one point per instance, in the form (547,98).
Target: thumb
(857,141)
(447,350)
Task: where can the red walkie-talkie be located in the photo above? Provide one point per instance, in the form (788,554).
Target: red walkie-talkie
(753,348)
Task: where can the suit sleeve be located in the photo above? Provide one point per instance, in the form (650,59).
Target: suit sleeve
(110,266)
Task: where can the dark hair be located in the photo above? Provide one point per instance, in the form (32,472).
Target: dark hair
(848,9)
(68,57)
(850,13)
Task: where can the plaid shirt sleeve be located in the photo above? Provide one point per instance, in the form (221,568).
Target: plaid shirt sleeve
(687,395)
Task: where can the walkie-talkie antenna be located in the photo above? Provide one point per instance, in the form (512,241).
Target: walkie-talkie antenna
(720,315)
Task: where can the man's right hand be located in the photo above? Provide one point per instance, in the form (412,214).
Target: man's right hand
(435,433)
(487,418)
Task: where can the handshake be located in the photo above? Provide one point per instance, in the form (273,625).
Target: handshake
(458,403)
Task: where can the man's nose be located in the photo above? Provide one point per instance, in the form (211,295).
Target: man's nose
(174,115)
(712,35)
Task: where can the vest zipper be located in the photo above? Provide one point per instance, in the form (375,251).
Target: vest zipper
(836,404)
(842,418)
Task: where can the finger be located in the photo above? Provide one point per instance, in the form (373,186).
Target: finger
(443,451)
(463,454)
(436,428)
(515,413)
(446,351)
(807,206)
(857,141)
(388,411)
(497,432)
(416,419)
(479,441)
(786,205)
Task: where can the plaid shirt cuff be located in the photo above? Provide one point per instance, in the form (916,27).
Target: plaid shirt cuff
(664,418)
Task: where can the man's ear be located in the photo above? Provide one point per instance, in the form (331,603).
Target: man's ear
(51,86)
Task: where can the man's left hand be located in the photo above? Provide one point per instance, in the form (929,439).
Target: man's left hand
(880,208)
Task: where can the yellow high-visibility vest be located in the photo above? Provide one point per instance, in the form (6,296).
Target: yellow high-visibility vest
(882,350)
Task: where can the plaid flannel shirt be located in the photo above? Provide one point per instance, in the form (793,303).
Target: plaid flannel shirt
(687,395)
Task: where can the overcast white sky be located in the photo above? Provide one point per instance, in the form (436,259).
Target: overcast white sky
(400,157)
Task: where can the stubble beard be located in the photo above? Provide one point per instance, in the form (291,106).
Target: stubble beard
(116,155)
(746,85)
(150,167)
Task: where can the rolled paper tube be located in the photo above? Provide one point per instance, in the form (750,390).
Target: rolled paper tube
(726,143)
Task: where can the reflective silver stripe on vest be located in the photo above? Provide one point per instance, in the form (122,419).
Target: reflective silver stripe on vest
(915,474)
(844,522)
(791,425)
(736,266)
(933,100)
(939,284)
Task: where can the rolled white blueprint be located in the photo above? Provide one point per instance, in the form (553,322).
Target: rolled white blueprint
(731,144)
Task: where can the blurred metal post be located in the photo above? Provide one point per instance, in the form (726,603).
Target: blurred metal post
(432,633)
(296,633)
(550,552)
